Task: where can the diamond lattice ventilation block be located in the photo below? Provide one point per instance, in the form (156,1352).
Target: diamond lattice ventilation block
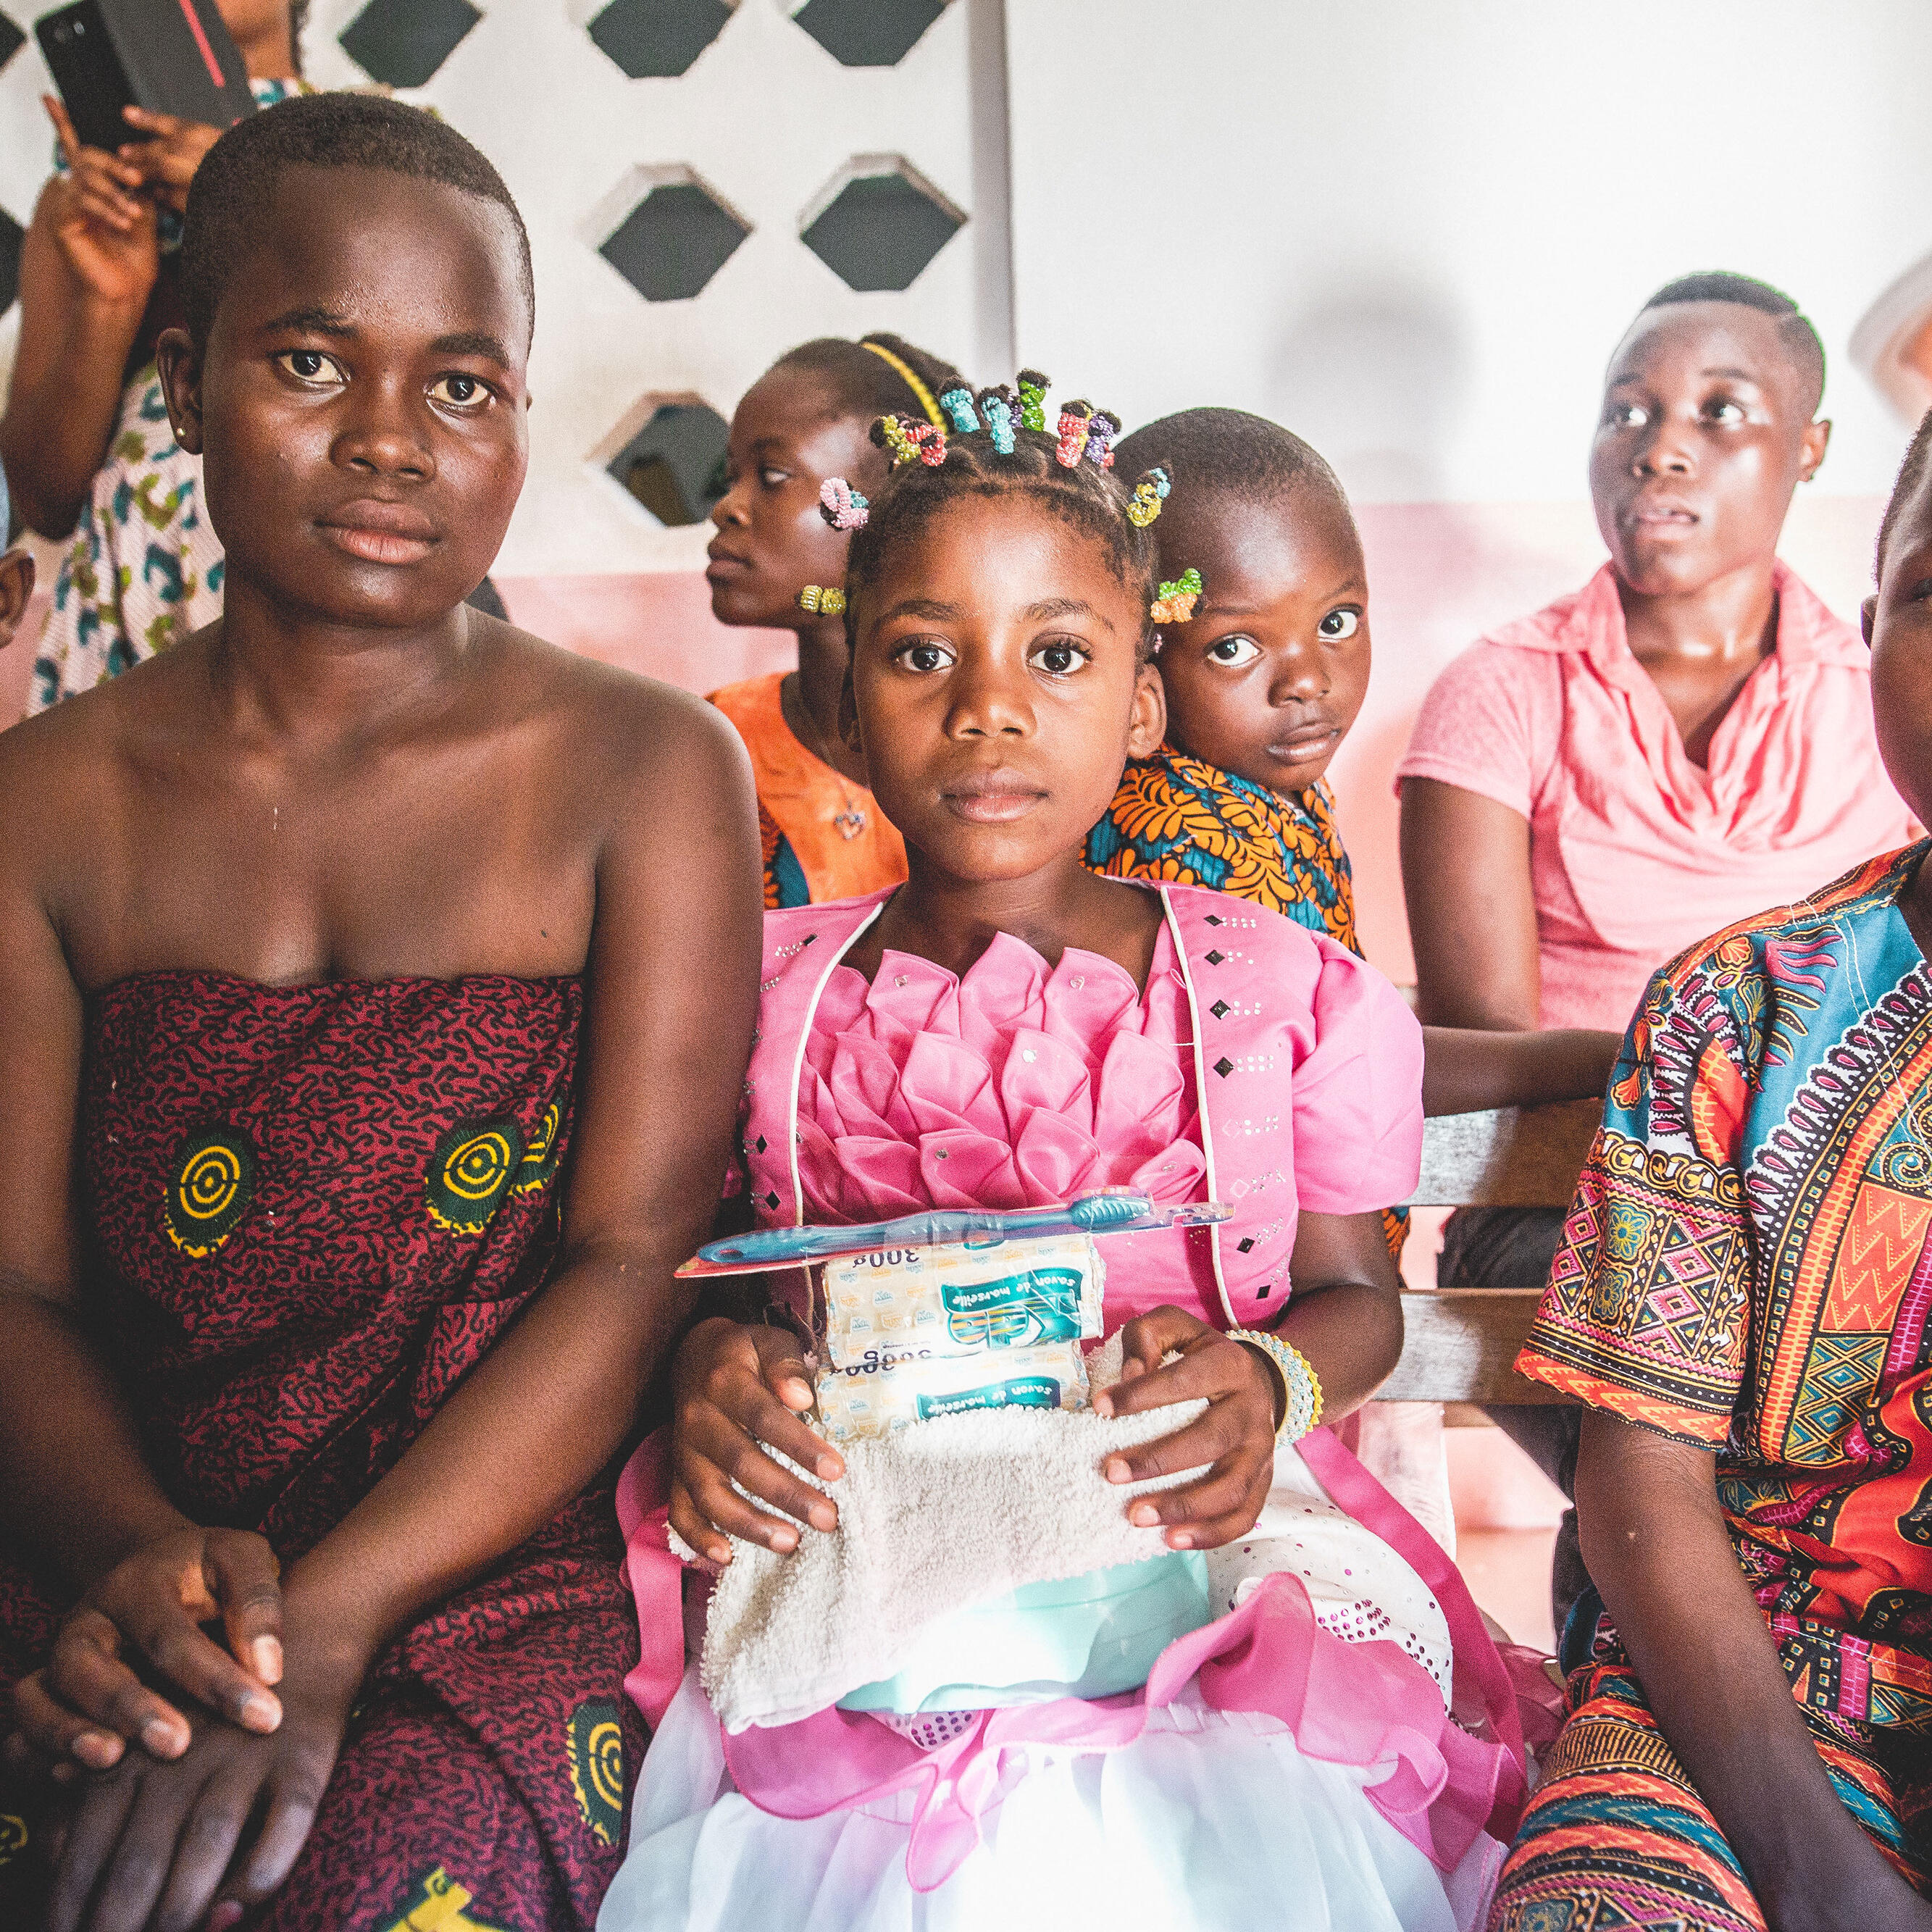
(402,43)
(674,465)
(658,38)
(880,231)
(868,33)
(673,242)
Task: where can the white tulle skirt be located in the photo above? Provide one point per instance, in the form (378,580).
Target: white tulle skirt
(1209,1822)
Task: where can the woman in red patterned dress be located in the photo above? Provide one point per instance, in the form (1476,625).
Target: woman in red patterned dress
(376,985)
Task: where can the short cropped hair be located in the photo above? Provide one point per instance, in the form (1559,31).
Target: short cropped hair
(1910,480)
(235,183)
(866,383)
(1228,451)
(1800,340)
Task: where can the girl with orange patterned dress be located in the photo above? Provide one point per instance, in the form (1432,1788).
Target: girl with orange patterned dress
(777,563)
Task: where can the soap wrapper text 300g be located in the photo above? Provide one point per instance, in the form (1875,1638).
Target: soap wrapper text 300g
(914,1333)
(958,1300)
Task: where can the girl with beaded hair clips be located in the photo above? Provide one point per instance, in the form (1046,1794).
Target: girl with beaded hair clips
(777,562)
(1008,1029)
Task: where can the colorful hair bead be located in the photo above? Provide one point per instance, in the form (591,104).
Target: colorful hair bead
(1032,386)
(930,442)
(840,505)
(999,407)
(1175,603)
(895,434)
(1150,492)
(958,403)
(822,600)
(1073,420)
(1102,426)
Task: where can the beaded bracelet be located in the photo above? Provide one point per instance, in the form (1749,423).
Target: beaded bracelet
(1303,1409)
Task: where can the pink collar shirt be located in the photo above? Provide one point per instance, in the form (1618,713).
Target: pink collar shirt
(1635,852)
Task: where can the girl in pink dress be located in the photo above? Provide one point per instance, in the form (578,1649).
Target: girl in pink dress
(1006,1030)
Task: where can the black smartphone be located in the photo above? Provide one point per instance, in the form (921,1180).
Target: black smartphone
(170,56)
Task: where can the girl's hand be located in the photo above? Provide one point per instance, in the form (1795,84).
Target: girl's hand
(1234,1439)
(88,1701)
(734,1388)
(103,223)
(166,162)
(200,1841)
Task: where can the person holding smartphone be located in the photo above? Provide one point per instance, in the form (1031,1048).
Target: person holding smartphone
(85,439)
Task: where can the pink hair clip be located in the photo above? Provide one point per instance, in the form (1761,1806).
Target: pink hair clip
(840,505)
(1074,417)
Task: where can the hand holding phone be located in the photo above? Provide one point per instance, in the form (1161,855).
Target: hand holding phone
(167,159)
(103,222)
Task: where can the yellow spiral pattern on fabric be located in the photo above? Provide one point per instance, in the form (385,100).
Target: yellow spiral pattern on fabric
(595,1739)
(209,1184)
(470,1171)
(213,1182)
(475,1169)
(539,1160)
(607,1762)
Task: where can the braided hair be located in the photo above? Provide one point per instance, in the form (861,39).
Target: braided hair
(1001,457)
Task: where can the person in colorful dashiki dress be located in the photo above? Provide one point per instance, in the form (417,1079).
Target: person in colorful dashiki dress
(1740,1302)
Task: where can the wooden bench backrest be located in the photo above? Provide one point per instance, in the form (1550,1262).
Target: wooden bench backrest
(1459,1343)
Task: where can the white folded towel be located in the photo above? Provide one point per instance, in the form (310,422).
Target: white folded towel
(937,1516)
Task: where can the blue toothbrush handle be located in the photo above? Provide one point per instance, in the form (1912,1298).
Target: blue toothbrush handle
(785,1247)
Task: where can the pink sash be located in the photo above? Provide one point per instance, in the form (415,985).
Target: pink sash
(1359,1704)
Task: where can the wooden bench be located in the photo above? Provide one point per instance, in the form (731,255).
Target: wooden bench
(1459,1343)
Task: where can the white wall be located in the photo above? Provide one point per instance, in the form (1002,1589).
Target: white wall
(1413,231)
(766,118)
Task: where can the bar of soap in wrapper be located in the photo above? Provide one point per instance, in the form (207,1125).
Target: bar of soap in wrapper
(955,1299)
(892,1388)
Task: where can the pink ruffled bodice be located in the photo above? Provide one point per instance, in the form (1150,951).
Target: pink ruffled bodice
(1016,1085)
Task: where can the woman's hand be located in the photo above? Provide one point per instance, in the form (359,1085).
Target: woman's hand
(734,1388)
(1234,1439)
(88,1701)
(167,160)
(201,1839)
(103,223)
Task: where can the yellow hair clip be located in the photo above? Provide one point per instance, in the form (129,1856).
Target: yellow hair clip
(905,371)
(1150,492)
(822,600)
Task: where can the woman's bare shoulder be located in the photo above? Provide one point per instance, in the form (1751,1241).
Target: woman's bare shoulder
(605,722)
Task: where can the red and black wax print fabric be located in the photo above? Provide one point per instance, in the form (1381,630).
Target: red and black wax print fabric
(311,1210)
